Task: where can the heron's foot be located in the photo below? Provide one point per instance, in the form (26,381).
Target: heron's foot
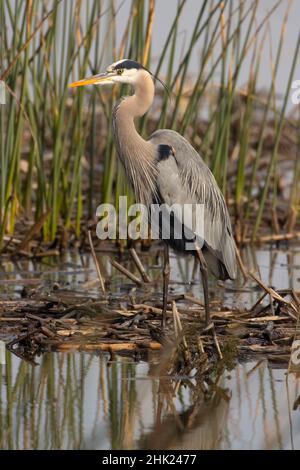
(209,327)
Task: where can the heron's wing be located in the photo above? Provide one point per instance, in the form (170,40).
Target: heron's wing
(187,179)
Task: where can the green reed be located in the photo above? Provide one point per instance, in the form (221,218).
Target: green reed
(55,141)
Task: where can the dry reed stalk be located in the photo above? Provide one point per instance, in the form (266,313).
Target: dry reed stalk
(275,237)
(179,331)
(152,345)
(151,309)
(127,273)
(241,265)
(36,228)
(149,31)
(96,263)
(217,344)
(274,294)
(139,265)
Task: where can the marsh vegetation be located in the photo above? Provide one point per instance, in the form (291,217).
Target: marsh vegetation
(58,163)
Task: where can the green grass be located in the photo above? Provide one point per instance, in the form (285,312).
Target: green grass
(53,141)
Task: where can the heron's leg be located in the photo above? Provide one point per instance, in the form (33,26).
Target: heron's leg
(204,275)
(166,274)
(195,267)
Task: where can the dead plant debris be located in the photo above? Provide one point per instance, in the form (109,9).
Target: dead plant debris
(65,321)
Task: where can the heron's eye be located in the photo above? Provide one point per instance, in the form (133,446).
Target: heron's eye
(120,71)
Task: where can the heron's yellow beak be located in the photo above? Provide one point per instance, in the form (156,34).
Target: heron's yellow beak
(95,80)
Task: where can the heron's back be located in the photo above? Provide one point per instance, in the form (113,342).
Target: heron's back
(185,179)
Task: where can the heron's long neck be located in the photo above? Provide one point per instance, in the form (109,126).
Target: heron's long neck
(137,155)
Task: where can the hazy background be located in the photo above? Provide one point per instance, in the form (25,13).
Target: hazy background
(164,15)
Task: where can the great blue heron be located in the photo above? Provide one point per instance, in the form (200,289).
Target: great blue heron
(167,168)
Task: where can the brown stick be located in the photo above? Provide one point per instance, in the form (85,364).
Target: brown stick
(193,300)
(149,31)
(108,346)
(217,344)
(151,309)
(32,231)
(139,265)
(275,237)
(44,254)
(273,293)
(13,319)
(96,263)
(178,324)
(241,265)
(127,273)
(258,302)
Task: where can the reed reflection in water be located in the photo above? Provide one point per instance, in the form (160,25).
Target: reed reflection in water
(85,401)
(78,401)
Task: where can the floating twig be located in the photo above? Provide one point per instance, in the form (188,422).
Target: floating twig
(127,273)
(139,265)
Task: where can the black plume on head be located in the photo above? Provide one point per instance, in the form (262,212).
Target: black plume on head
(129,64)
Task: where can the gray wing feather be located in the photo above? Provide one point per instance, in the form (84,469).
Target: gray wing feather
(190,180)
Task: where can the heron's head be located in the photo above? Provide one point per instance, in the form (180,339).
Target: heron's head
(124,71)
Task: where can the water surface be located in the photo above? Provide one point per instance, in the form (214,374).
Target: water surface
(81,401)
(89,401)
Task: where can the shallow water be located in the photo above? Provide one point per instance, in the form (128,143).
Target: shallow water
(81,400)
(74,401)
